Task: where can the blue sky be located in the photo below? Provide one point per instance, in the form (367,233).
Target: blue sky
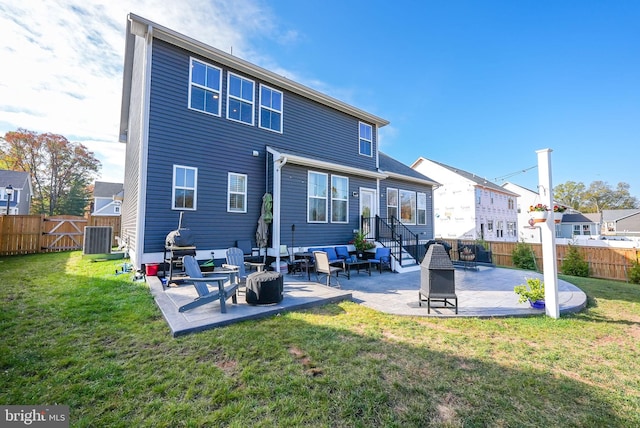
(479,85)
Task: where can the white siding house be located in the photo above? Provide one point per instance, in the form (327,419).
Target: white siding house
(470,207)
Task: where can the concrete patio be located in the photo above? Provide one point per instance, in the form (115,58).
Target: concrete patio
(485,292)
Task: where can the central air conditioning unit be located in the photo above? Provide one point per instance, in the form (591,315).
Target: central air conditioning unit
(97,240)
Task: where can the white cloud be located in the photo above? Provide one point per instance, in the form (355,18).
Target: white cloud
(62,61)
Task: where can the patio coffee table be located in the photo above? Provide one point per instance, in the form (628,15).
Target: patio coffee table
(358,264)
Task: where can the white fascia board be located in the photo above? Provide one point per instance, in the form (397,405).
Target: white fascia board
(412,179)
(265,75)
(301,160)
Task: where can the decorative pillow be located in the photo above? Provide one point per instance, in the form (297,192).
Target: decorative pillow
(342,252)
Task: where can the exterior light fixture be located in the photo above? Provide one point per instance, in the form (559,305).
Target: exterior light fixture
(9,192)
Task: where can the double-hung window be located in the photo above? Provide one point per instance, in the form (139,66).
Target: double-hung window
(422,208)
(339,199)
(392,203)
(185,181)
(317,197)
(204,92)
(237,193)
(407,207)
(240,99)
(270,109)
(366,139)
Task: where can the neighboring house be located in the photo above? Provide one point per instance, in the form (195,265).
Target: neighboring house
(208,134)
(20,201)
(470,207)
(621,222)
(576,225)
(107,199)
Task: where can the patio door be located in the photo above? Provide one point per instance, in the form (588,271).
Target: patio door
(368,210)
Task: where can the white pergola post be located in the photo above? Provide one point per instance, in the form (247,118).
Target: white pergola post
(548,236)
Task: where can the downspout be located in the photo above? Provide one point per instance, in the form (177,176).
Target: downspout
(277,182)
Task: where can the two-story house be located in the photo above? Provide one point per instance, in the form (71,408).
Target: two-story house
(624,222)
(208,134)
(19,200)
(470,207)
(107,199)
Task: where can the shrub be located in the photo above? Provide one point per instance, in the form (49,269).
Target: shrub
(523,256)
(634,273)
(574,264)
(533,290)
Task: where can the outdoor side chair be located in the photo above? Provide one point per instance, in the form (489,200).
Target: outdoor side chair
(382,257)
(323,267)
(201,284)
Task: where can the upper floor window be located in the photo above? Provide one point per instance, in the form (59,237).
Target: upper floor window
(116,209)
(270,109)
(392,203)
(339,199)
(3,195)
(317,197)
(240,99)
(185,181)
(204,91)
(407,207)
(366,139)
(237,193)
(510,203)
(422,208)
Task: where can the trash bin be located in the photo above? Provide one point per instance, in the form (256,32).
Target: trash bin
(151,269)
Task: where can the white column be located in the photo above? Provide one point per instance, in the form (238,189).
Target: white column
(547,232)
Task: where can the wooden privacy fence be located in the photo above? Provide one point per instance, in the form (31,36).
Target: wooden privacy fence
(29,234)
(604,262)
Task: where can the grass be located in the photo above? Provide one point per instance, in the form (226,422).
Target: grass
(75,333)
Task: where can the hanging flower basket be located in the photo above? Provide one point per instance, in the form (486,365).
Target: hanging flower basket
(539,216)
(557,217)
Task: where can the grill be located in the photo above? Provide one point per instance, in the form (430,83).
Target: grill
(181,237)
(437,279)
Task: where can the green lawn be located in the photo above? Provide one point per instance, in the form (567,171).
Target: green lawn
(74,333)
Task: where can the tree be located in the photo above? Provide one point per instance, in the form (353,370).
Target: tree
(61,171)
(597,197)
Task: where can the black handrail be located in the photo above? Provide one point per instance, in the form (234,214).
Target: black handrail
(393,234)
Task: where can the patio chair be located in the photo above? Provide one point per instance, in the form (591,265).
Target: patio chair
(382,257)
(235,260)
(200,282)
(250,253)
(323,267)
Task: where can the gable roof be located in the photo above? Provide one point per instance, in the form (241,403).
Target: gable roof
(103,189)
(479,181)
(139,26)
(616,215)
(17,179)
(396,169)
(577,218)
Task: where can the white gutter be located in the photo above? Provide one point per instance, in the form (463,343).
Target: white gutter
(300,160)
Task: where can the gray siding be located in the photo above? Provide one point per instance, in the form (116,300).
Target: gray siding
(628,224)
(216,146)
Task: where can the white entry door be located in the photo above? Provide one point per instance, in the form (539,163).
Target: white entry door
(368,209)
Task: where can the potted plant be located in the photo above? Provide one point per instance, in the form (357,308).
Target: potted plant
(532,291)
(361,244)
(558,212)
(538,213)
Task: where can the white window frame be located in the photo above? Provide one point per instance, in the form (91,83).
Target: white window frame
(345,199)
(205,88)
(320,197)
(412,198)
(362,138)
(270,108)
(396,206)
(240,99)
(421,199)
(235,192)
(116,208)
(175,187)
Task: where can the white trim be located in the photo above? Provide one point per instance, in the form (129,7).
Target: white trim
(174,186)
(326,198)
(205,88)
(229,192)
(240,99)
(260,107)
(370,139)
(314,163)
(344,200)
